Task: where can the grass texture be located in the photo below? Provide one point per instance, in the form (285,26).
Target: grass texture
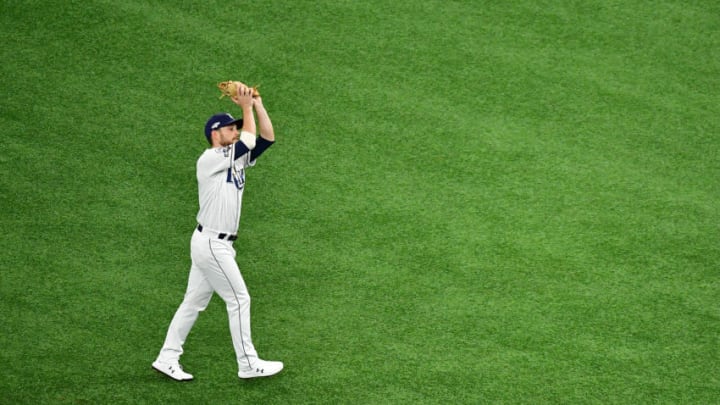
(469,201)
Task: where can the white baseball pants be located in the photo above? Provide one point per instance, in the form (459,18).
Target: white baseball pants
(213,270)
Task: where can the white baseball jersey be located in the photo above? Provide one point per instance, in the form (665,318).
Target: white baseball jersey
(221,181)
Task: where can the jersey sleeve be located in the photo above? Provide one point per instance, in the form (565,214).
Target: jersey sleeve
(244,145)
(261,146)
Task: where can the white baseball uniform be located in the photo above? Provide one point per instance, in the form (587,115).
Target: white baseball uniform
(221,181)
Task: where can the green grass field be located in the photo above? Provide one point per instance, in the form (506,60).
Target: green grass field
(469,201)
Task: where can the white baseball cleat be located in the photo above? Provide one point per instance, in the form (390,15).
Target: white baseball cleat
(172,370)
(262,368)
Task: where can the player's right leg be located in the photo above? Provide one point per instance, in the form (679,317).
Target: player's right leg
(197,296)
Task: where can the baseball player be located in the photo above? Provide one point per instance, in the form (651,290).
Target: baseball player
(221,181)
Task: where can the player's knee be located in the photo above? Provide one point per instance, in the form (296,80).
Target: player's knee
(195,306)
(196,303)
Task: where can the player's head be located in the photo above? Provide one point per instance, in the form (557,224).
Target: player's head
(216,123)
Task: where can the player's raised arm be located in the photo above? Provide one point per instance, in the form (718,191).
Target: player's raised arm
(267,133)
(247,136)
(266,127)
(244,100)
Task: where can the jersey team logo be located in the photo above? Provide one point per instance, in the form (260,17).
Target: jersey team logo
(236,177)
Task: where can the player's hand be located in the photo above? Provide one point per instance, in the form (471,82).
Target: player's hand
(244,96)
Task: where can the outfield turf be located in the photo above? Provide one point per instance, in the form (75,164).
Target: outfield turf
(468,202)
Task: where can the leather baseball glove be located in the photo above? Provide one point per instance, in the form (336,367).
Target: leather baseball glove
(230,89)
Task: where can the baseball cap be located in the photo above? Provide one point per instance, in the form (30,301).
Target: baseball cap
(220,120)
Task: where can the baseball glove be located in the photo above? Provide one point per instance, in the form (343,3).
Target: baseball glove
(230,89)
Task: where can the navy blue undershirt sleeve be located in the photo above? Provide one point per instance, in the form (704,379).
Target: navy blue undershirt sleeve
(261,146)
(240,149)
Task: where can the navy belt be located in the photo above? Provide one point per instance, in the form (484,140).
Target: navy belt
(223,236)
